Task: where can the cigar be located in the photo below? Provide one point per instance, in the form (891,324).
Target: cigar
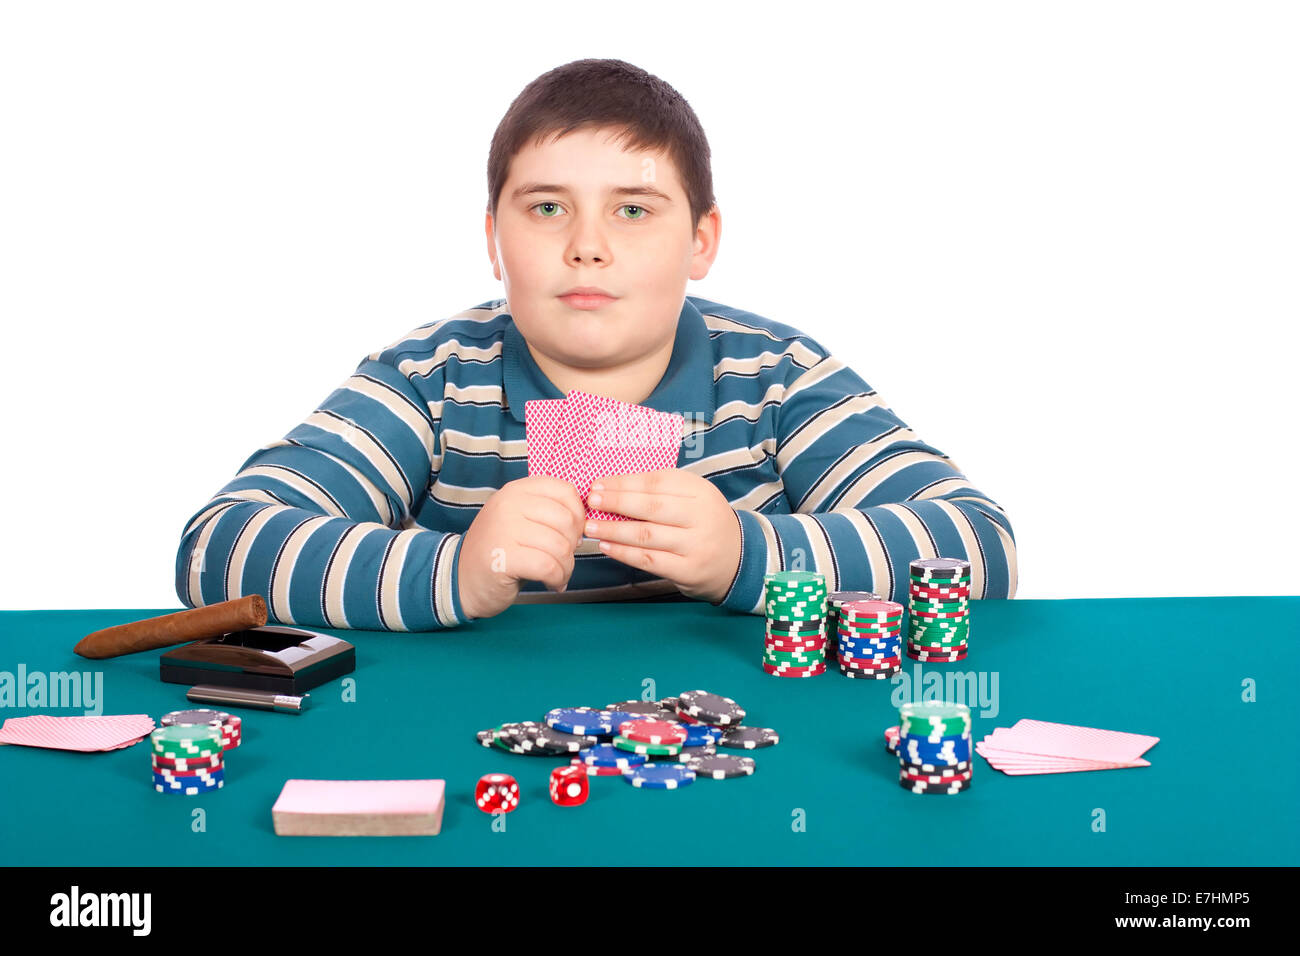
(191,625)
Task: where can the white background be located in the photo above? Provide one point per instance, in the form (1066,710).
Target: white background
(1061,240)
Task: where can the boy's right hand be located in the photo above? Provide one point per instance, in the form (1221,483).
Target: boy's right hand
(527,530)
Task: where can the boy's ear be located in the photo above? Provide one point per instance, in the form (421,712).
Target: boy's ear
(492,245)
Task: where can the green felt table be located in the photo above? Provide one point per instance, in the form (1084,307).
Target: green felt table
(1221,788)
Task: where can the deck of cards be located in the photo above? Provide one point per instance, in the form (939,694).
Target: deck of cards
(1037,746)
(583,437)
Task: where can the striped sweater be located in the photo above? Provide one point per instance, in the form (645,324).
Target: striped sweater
(355,518)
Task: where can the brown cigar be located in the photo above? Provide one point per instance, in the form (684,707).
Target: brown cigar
(192,625)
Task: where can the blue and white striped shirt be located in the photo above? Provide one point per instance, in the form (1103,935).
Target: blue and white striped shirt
(355,518)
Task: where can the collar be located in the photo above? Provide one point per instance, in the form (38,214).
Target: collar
(687,385)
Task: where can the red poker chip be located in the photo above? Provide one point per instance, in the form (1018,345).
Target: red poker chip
(870,608)
(653,731)
(932,659)
(795,645)
(923,590)
(795,671)
(942,616)
(861,623)
(874,666)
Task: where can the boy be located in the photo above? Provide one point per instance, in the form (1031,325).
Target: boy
(404,502)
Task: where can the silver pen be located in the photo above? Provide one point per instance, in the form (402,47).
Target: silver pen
(243,697)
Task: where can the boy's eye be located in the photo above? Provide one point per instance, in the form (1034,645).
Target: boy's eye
(550,209)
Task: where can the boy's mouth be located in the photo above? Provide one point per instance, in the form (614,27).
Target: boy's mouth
(586,298)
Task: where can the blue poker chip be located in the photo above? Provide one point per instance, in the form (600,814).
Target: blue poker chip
(660,776)
(607,755)
(701,735)
(923,753)
(583,721)
(191,785)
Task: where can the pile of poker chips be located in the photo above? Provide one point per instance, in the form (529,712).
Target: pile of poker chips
(187,760)
(187,750)
(622,739)
(938,600)
(870,634)
(834,601)
(933,744)
(794,641)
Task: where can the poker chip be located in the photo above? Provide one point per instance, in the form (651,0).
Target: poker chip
(721,766)
(607,755)
(208,762)
(701,735)
(705,750)
(881,674)
(654,750)
(227,725)
(537,739)
(660,776)
(189,791)
(594,771)
(942,788)
(794,671)
(667,705)
(635,707)
(960,766)
(581,721)
(710,708)
(749,738)
(189,741)
(891,739)
(653,731)
(934,719)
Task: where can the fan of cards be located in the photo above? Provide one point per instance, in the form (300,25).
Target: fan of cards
(1038,746)
(583,437)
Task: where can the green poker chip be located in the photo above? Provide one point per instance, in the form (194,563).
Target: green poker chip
(653,750)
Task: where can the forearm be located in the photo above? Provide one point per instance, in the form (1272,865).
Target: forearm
(318,570)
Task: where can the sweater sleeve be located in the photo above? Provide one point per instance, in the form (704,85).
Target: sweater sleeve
(866,497)
(320,523)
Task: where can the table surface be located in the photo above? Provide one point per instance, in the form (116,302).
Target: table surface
(1220,790)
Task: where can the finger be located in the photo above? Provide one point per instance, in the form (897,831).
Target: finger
(664,564)
(565,514)
(665,481)
(646,535)
(538,565)
(647,506)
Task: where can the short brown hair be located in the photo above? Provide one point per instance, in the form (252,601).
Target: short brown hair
(647,112)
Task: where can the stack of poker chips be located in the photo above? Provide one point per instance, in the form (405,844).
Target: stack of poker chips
(870,635)
(938,599)
(834,601)
(933,743)
(187,760)
(794,642)
(188,750)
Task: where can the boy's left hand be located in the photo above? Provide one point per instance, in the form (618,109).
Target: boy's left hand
(681,529)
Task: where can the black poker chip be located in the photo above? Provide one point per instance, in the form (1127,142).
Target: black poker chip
(538,740)
(648,707)
(711,708)
(749,738)
(722,766)
(705,750)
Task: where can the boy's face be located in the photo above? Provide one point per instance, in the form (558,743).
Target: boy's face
(561,222)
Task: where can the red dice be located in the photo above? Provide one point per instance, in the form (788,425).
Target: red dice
(569,786)
(497,793)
